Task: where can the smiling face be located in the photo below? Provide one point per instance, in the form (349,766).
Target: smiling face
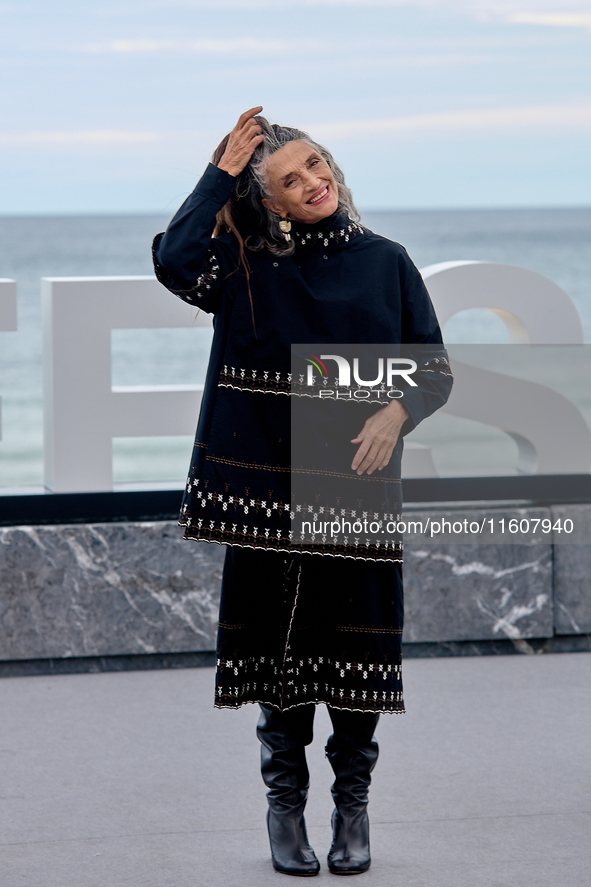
(301,183)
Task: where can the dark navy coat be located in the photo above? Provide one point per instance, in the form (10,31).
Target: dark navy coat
(304,617)
(343,284)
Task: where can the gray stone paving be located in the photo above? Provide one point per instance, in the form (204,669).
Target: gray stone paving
(134,780)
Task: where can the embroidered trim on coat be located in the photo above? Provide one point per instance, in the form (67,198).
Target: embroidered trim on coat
(368,630)
(315,239)
(387,551)
(286,657)
(302,681)
(265,381)
(205,283)
(253,522)
(377,709)
(263,507)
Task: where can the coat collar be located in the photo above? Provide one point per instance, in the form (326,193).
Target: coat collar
(335,232)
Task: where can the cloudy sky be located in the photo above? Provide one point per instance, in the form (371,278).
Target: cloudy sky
(116,106)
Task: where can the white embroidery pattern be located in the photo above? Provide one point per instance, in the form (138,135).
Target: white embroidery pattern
(205,283)
(264,677)
(323,238)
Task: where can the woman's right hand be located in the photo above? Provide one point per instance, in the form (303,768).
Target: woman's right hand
(244,138)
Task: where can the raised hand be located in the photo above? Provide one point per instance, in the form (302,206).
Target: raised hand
(244,138)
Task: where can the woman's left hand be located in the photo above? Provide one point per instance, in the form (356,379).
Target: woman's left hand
(378,438)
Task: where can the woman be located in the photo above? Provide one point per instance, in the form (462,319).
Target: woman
(270,243)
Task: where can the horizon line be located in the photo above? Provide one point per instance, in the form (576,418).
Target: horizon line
(52,214)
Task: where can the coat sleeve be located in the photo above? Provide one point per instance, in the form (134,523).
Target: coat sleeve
(186,259)
(421,342)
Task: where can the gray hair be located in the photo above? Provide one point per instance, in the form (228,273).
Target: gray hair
(252,186)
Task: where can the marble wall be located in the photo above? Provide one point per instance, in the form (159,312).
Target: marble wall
(466,593)
(485,590)
(572,573)
(86,590)
(106,590)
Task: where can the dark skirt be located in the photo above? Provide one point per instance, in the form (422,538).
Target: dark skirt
(298,628)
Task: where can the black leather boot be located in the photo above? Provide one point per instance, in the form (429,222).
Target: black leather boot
(352,752)
(283,737)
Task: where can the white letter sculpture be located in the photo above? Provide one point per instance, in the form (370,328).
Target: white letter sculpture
(552,435)
(7,315)
(82,411)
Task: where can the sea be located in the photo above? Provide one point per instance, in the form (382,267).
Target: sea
(554,242)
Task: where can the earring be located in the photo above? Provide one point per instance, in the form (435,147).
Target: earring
(285,228)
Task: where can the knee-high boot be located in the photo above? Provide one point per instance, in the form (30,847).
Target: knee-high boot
(352,752)
(283,737)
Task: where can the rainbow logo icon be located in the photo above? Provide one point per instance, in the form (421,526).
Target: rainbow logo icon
(316,362)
